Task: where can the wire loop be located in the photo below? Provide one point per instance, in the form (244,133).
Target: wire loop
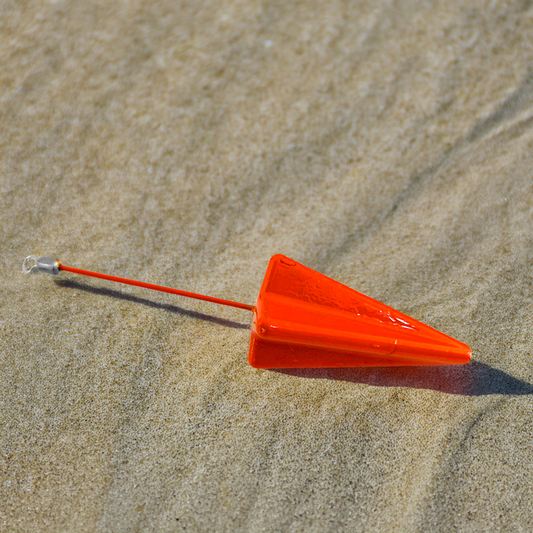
(25,263)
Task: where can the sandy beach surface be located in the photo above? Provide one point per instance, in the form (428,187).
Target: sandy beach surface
(385,144)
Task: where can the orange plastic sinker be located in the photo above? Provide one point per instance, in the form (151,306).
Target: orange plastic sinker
(303,319)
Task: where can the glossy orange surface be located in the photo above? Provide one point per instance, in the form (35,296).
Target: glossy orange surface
(303,319)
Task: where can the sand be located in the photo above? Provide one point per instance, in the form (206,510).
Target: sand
(385,144)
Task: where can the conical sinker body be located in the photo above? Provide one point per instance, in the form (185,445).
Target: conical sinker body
(303,319)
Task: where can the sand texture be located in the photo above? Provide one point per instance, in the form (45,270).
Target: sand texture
(385,144)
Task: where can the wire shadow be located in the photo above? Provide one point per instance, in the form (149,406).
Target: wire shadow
(472,379)
(69,284)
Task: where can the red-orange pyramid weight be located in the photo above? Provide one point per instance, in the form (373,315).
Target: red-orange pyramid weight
(304,319)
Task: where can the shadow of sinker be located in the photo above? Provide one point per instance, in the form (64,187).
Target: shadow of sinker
(70,284)
(472,379)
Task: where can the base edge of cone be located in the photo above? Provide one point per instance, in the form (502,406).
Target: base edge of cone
(273,355)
